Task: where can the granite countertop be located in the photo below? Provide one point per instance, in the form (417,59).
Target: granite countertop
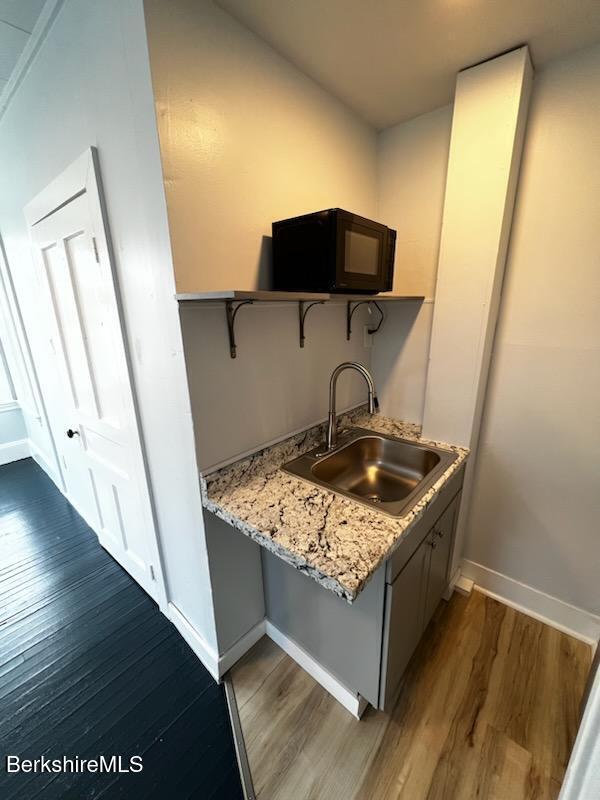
(336,541)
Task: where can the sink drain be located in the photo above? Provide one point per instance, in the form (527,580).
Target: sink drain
(373,498)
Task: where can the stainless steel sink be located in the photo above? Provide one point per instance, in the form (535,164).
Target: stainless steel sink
(382,472)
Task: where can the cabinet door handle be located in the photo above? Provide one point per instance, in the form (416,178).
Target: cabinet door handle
(432,543)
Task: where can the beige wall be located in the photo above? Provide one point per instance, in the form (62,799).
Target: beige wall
(536,499)
(411,177)
(246,139)
(273,387)
(412,164)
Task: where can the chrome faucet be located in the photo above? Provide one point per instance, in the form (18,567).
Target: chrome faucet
(332,418)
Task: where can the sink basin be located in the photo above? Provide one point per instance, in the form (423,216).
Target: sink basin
(380,471)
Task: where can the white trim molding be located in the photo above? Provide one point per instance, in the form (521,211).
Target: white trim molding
(207,654)
(240,648)
(219,665)
(351,701)
(32,45)
(464,585)
(14,451)
(216,664)
(550,610)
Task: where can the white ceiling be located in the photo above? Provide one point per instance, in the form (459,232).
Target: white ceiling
(391,60)
(17,20)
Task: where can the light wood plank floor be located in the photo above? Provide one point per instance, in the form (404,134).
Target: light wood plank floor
(489,710)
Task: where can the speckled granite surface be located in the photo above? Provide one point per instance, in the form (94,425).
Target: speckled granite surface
(338,542)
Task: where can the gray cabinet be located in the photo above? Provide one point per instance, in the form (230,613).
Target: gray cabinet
(439,545)
(344,639)
(403,621)
(367,645)
(412,597)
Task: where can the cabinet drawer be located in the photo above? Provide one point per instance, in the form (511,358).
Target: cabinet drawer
(432,513)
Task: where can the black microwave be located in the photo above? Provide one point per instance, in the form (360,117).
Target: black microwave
(333,251)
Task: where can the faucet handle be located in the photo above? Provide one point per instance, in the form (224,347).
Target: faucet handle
(375,403)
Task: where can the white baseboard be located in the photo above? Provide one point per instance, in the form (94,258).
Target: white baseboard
(215,664)
(563,616)
(40,459)
(464,585)
(14,451)
(241,647)
(218,666)
(206,654)
(353,702)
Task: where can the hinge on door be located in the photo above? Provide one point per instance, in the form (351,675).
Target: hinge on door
(95,249)
(152,575)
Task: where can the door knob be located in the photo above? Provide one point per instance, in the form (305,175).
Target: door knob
(71,433)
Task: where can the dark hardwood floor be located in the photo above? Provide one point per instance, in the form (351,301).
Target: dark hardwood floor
(90,667)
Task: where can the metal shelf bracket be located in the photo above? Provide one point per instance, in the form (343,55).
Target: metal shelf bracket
(350,313)
(302,312)
(231,310)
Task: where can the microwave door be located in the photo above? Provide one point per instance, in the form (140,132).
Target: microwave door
(360,257)
(361,252)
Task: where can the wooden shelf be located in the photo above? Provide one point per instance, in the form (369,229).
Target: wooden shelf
(234,300)
(379,298)
(264,296)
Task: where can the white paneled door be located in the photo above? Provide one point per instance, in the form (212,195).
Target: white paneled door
(94,417)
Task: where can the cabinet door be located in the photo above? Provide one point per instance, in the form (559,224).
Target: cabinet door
(440,543)
(403,624)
